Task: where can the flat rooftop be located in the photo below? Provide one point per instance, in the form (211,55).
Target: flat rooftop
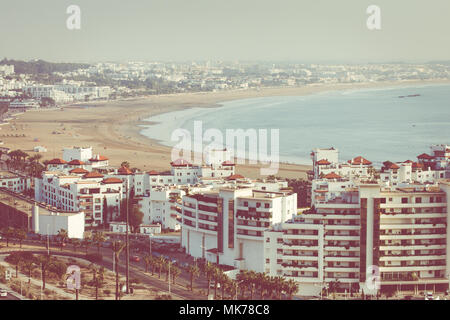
(25,204)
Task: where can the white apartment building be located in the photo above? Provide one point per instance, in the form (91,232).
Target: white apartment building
(14,181)
(226,226)
(401,233)
(163,206)
(326,161)
(50,222)
(24,104)
(6,70)
(67,92)
(87,193)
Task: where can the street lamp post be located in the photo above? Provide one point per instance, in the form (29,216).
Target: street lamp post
(127,244)
(169,278)
(150,242)
(48,240)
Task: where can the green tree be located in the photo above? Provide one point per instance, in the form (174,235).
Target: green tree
(98,238)
(194,272)
(117,248)
(63,236)
(136,218)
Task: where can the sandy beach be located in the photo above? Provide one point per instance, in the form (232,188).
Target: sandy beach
(112,128)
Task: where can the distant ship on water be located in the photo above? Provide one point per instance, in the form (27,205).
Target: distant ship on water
(410,96)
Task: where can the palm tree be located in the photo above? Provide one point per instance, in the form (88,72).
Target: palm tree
(208,271)
(20,235)
(251,281)
(291,287)
(117,248)
(333,286)
(216,274)
(232,289)
(29,266)
(261,280)
(166,268)
(194,272)
(98,238)
(224,281)
(45,262)
(160,263)
(86,243)
(147,260)
(175,272)
(62,234)
(241,278)
(8,234)
(98,278)
(153,264)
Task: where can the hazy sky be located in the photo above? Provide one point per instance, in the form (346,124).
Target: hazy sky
(301,30)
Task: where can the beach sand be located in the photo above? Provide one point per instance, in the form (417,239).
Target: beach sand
(112,128)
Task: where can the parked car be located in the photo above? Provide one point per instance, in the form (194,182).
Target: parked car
(3,293)
(429,296)
(135,258)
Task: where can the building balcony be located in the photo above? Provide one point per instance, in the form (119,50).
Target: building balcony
(412,205)
(342,237)
(341,227)
(289,236)
(301,247)
(340,248)
(388,216)
(412,247)
(289,267)
(341,258)
(412,226)
(411,268)
(341,269)
(407,257)
(412,236)
(298,257)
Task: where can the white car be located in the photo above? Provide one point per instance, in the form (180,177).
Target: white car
(3,293)
(429,296)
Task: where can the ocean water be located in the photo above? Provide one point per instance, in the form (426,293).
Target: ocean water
(374,123)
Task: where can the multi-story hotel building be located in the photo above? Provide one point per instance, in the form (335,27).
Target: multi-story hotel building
(226,226)
(368,232)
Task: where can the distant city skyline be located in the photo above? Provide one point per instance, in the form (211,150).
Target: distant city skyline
(322,31)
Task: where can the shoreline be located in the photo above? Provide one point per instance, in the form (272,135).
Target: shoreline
(113,128)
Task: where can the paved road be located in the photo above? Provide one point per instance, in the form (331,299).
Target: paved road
(136,271)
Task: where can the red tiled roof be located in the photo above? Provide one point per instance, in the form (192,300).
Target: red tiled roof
(93,174)
(323,162)
(235,177)
(416,165)
(180,163)
(76,162)
(57,161)
(359,160)
(79,170)
(112,180)
(153,173)
(228,163)
(408,161)
(124,171)
(213,250)
(390,165)
(98,158)
(424,156)
(332,175)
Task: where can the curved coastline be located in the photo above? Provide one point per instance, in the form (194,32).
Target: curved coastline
(113,128)
(155,129)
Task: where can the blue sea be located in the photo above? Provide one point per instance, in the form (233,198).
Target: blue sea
(374,123)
